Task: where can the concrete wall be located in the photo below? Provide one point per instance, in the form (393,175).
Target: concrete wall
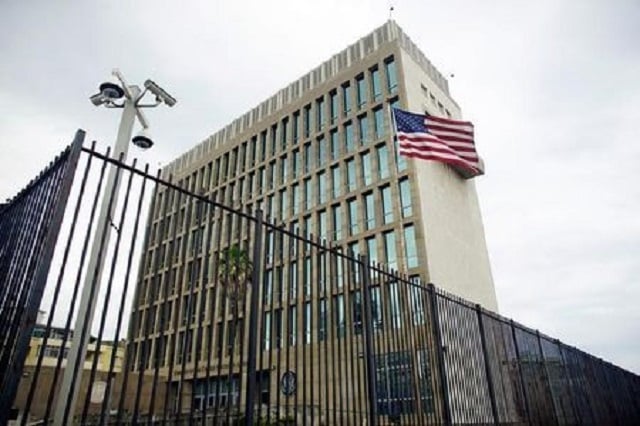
(456,250)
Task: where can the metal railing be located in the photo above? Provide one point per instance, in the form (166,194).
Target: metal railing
(220,316)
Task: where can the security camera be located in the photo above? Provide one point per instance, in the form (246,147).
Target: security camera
(111,90)
(160,93)
(143,139)
(98,99)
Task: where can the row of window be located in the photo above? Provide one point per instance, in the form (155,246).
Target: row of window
(349,218)
(327,319)
(279,137)
(319,154)
(298,270)
(53,351)
(352,174)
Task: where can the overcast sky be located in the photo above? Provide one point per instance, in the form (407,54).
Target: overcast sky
(552,86)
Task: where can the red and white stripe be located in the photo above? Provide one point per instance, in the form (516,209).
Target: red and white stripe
(449,141)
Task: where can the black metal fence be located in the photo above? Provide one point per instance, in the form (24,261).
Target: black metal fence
(29,225)
(238,319)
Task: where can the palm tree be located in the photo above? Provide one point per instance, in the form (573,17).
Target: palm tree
(234,274)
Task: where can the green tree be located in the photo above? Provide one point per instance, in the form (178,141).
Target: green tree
(234,275)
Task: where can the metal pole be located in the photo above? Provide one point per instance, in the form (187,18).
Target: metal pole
(71,381)
(547,379)
(370,357)
(485,354)
(523,381)
(442,372)
(253,319)
(567,378)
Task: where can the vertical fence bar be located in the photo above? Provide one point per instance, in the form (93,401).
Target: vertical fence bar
(34,220)
(163,298)
(567,376)
(487,368)
(439,353)
(204,298)
(148,299)
(322,290)
(56,292)
(306,317)
(200,282)
(253,319)
(369,355)
(107,299)
(523,382)
(173,336)
(213,234)
(217,304)
(547,379)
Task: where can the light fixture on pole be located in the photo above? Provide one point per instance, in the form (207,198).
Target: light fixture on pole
(115,93)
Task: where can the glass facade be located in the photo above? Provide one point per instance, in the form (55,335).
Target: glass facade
(392,77)
(322,187)
(391,258)
(337,222)
(336,175)
(387,206)
(372,249)
(322,150)
(411,250)
(335,145)
(361,88)
(363,126)
(370,212)
(334,106)
(378,121)
(351,175)
(349,141)
(383,161)
(320,114)
(354,220)
(346,98)
(375,84)
(405,198)
(365,161)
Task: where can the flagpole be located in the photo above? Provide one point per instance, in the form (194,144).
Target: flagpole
(394,130)
(394,135)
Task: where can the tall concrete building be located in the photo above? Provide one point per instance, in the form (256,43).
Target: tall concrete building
(320,156)
(321,153)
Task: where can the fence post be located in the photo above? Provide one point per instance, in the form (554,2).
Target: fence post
(369,354)
(565,369)
(253,319)
(487,369)
(519,364)
(548,378)
(440,353)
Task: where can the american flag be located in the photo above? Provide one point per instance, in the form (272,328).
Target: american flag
(440,139)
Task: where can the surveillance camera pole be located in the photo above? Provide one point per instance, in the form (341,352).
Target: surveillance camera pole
(68,395)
